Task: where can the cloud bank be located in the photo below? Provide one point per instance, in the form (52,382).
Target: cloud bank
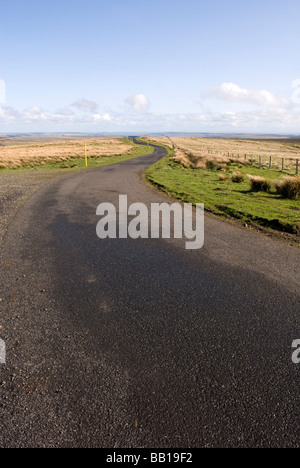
(267,113)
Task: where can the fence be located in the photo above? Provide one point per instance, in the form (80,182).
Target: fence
(284,164)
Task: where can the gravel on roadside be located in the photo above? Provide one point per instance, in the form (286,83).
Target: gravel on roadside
(16,187)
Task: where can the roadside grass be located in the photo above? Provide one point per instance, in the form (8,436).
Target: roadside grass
(77,163)
(226,198)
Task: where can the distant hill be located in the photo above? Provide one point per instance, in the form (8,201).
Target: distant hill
(236,136)
(75,135)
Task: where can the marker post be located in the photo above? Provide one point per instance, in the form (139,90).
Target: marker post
(85,152)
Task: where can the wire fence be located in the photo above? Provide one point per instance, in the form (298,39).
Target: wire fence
(289,165)
(281,163)
(284,164)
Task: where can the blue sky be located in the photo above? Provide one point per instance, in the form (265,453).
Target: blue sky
(150,65)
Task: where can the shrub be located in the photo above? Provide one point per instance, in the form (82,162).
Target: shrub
(289,187)
(259,184)
(200,164)
(182,158)
(214,165)
(237,177)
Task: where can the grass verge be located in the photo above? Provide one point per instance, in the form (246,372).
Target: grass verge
(223,197)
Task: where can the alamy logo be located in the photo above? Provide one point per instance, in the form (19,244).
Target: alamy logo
(154,224)
(2,352)
(296,353)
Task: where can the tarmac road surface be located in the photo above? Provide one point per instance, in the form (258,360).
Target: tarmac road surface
(123,343)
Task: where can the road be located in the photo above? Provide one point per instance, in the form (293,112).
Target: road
(141,343)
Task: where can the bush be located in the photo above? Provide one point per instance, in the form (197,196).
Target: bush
(289,187)
(237,177)
(259,184)
(214,165)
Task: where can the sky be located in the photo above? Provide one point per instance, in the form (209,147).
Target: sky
(142,66)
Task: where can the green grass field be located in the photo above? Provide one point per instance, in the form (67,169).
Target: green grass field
(226,198)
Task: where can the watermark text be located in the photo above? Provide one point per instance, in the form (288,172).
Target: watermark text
(2,352)
(296,353)
(161,221)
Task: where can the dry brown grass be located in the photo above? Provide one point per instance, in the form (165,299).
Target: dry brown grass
(256,148)
(259,184)
(201,160)
(182,158)
(160,140)
(41,153)
(237,177)
(224,151)
(289,187)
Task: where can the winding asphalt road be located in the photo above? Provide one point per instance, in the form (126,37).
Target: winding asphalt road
(141,343)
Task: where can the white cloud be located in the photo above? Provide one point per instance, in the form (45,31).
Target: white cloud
(8,115)
(138,102)
(234,93)
(36,114)
(85,105)
(102,118)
